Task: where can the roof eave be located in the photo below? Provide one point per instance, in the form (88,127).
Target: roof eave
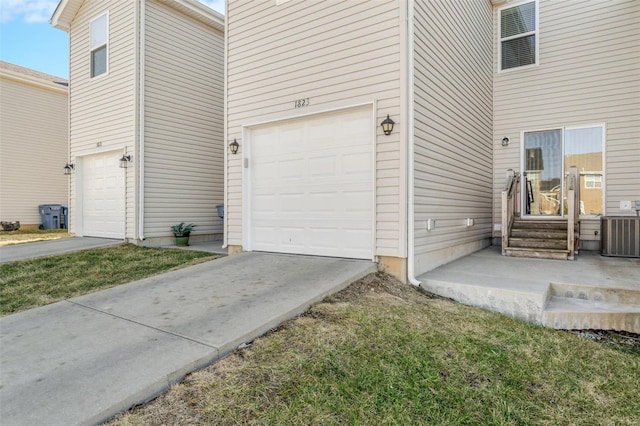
(200,12)
(64,13)
(34,81)
(66,10)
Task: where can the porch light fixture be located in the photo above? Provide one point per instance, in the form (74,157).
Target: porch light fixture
(387,125)
(124,161)
(68,168)
(505,141)
(233,147)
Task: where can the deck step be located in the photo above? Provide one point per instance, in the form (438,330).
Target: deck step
(539,233)
(537,253)
(567,313)
(558,244)
(542,239)
(540,224)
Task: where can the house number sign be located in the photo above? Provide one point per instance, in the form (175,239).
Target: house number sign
(299,103)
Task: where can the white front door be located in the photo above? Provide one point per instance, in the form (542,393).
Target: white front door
(103,193)
(311,186)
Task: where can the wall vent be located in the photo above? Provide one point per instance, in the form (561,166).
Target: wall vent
(620,236)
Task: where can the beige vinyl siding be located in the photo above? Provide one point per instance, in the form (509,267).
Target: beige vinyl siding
(589,73)
(102,109)
(183,122)
(337,54)
(33,149)
(453,129)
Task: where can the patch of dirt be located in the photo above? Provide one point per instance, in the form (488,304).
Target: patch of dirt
(617,338)
(377,282)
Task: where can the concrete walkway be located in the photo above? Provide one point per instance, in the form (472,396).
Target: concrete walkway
(83,360)
(53,247)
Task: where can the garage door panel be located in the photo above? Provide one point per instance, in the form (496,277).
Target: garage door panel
(292,169)
(322,166)
(356,164)
(266,171)
(356,202)
(267,203)
(312,186)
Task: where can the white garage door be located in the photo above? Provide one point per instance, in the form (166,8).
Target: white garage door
(312,186)
(103,196)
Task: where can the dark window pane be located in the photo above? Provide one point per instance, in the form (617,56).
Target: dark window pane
(517,20)
(99,61)
(519,52)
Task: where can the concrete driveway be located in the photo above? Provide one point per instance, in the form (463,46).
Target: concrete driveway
(53,247)
(83,360)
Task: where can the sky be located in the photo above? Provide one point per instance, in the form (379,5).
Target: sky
(27,39)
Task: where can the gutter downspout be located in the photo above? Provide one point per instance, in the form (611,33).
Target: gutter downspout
(411,147)
(225,151)
(140,60)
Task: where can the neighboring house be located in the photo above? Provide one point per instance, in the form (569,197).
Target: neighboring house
(310,82)
(33,143)
(146,87)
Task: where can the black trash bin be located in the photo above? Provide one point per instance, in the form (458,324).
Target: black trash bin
(50,216)
(220,208)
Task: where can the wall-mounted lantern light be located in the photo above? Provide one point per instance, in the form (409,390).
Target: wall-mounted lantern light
(68,168)
(233,147)
(387,125)
(124,161)
(505,141)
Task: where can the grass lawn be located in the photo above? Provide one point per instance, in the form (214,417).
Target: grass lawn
(8,238)
(26,284)
(383,353)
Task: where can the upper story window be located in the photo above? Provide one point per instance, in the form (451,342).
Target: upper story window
(99,42)
(518,35)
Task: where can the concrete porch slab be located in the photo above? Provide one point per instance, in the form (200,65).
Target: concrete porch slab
(520,287)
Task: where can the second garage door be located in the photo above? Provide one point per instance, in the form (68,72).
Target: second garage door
(312,186)
(103,196)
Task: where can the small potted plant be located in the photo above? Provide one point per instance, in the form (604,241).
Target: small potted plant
(182,232)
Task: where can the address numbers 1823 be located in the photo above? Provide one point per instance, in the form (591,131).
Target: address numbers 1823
(299,103)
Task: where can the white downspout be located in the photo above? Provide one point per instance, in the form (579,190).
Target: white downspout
(225,151)
(411,157)
(141,59)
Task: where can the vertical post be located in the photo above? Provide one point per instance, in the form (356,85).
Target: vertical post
(571,221)
(505,221)
(506,211)
(573,209)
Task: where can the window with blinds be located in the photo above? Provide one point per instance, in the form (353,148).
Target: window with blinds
(99,40)
(518,36)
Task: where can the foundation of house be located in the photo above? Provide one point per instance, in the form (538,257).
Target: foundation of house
(396,266)
(232,249)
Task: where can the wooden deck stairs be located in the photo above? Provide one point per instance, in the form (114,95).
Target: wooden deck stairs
(538,239)
(542,239)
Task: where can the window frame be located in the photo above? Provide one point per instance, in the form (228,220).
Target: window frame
(535,32)
(93,49)
(596,179)
(603,128)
